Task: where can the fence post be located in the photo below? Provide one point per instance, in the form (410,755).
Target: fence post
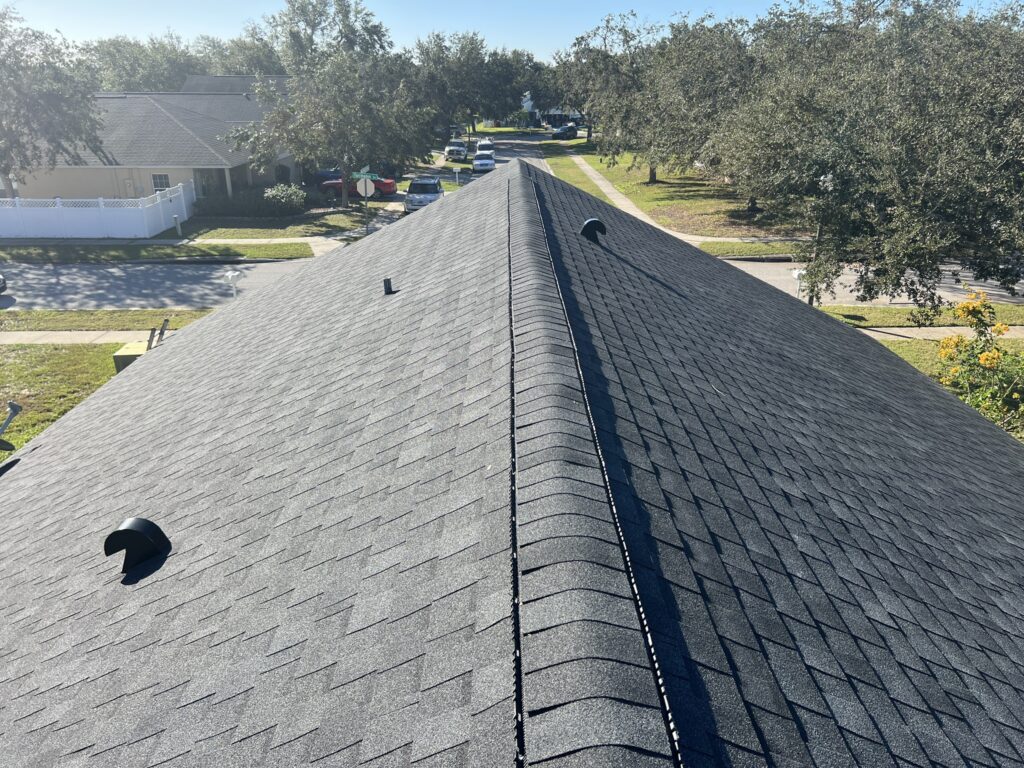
(60,217)
(18,217)
(163,211)
(102,218)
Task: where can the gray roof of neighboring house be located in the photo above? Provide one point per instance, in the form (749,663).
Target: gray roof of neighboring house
(228,83)
(170,130)
(614,504)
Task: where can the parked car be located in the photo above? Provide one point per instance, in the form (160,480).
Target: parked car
(3,283)
(485,145)
(455,150)
(565,132)
(423,190)
(381,187)
(483,162)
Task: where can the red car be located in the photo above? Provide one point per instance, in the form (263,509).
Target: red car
(381,187)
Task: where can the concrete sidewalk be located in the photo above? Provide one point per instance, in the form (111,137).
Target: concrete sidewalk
(74,337)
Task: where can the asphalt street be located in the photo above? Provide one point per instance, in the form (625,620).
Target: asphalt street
(132,286)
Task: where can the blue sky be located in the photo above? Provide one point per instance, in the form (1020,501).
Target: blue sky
(541,26)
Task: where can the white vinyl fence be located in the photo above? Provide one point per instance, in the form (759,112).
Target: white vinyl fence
(97,217)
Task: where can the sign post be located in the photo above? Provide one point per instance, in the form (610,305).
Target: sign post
(365,188)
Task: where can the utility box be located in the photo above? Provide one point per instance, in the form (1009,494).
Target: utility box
(128,354)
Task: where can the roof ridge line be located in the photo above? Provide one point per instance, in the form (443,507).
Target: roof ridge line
(516,566)
(185,128)
(547,365)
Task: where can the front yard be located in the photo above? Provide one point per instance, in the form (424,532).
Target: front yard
(684,202)
(48,380)
(102,254)
(870,316)
(96,319)
(323,224)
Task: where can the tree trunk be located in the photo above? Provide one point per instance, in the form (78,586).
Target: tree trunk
(346,174)
(812,294)
(9,186)
(652,174)
(590,131)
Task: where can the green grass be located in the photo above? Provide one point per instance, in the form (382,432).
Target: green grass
(923,354)
(565,168)
(324,224)
(748,250)
(870,316)
(99,254)
(48,380)
(507,130)
(686,202)
(96,319)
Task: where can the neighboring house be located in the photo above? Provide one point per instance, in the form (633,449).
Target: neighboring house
(151,141)
(552,503)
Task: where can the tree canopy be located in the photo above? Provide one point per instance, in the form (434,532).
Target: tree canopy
(46,92)
(890,132)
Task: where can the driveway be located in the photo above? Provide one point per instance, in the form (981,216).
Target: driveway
(132,286)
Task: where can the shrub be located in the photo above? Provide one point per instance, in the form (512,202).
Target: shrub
(983,374)
(279,200)
(284,200)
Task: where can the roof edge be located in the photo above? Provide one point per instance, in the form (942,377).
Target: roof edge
(585,651)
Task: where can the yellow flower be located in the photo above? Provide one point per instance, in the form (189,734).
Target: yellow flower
(999,329)
(1016,395)
(990,359)
(949,347)
(954,371)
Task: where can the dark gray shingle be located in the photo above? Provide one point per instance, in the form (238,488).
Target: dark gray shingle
(819,546)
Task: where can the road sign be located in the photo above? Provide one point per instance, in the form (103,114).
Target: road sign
(361,175)
(365,187)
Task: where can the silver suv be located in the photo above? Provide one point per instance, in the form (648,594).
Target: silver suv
(423,190)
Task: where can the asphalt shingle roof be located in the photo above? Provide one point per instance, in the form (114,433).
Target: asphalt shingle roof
(170,130)
(227,83)
(613,505)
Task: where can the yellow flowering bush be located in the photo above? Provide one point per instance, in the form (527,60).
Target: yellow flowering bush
(979,371)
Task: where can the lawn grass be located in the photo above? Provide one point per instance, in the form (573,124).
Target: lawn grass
(507,130)
(238,228)
(923,354)
(48,380)
(870,316)
(565,168)
(685,202)
(101,254)
(96,319)
(748,250)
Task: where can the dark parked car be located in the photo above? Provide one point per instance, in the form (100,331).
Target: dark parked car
(565,132)
(381,187)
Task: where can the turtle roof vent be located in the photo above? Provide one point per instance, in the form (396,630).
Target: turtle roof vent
(141,539)
(591,229)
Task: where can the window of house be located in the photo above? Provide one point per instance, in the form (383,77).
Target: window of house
(161,181)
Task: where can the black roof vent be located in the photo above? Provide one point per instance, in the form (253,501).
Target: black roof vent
(591,228)
(141,539)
